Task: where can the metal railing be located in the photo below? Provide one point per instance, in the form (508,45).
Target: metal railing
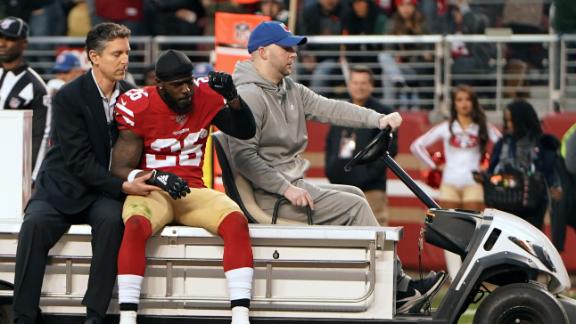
(506,76)
(410,71)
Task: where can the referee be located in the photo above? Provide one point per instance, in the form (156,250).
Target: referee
(21,87)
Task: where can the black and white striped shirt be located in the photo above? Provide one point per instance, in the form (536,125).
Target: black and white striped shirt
(23,88)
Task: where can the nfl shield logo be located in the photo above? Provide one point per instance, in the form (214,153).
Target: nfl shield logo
(242,33)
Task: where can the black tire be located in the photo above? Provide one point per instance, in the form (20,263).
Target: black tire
(520,303)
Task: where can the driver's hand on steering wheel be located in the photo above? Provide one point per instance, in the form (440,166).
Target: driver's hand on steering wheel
(299,197)
(394,120)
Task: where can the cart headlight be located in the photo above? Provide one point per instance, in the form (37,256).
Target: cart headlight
(535,250)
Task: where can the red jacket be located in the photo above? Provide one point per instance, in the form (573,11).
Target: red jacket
(119,10)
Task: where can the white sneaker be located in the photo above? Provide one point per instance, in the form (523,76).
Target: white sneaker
(128,317)
(240,315)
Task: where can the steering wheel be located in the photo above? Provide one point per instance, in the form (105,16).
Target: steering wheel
(379,146)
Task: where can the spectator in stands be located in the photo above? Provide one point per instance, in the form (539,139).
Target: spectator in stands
(19,8)
(371,21)
(407,20)
(433,11)
(322,18)
(342,143)
(492,10)
(67,68)
(151,115)
(274,9)
(465,138)
(178,17)
(523,17)
(21,86)
(363,18)
(272,160)
(94,19)
(49,19)
(468,58)
(399,70)
(74,185)
(129,13)
(525,147)
(79,19)
(28,10)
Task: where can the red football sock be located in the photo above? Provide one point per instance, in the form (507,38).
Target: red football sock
(132,254)
(237,247)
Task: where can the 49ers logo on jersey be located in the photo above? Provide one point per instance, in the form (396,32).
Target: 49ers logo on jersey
(463,141)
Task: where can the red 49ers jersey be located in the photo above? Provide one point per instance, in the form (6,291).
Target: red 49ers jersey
(172,143)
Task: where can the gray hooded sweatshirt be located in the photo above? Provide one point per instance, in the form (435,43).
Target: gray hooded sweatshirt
(272,159)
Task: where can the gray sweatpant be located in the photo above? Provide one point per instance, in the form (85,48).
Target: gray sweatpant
(334,204)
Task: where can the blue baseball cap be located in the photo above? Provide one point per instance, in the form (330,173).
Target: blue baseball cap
(66,61)
(273,32)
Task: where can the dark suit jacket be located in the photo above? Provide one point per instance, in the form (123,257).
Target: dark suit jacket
(75,170)
(368,176)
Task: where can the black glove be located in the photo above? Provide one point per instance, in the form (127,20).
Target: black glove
(222,83)
(175,186)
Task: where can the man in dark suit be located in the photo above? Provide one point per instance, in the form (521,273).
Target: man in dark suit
(74,185)
(342,143)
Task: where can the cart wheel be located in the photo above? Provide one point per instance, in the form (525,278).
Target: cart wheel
(520,303)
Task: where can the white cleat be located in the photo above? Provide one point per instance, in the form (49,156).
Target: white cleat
(128,317)
(239,315)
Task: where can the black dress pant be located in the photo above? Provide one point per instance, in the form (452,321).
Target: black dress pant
(42,227)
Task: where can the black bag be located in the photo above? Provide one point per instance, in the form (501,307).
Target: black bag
(514,189)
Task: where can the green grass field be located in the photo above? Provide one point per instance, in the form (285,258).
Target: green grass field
(467,317)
